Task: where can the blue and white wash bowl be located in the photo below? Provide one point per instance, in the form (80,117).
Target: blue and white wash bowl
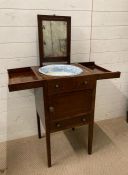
(60,70)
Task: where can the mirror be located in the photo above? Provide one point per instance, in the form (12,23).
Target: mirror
(54,38)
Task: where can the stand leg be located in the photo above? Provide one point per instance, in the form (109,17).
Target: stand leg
(127,117)
(48,148)
(90,137)
(38,125)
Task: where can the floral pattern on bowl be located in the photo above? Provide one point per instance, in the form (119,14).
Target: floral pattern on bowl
(60,70)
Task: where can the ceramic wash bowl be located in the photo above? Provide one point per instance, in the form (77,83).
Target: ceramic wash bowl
(60,70)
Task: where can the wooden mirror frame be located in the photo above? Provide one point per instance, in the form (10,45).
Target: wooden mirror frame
(43,59)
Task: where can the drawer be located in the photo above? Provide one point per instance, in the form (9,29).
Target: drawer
(72,84)
(69,123)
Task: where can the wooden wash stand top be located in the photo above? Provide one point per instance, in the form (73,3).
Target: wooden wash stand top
(61,102)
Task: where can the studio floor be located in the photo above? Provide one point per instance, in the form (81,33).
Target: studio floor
(69,152)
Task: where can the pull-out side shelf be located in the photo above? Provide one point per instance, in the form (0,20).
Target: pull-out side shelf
(23,78)
(100,72)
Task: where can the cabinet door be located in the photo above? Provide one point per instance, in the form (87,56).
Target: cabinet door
(70,104)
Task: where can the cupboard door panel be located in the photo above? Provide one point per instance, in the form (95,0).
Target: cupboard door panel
(71,104)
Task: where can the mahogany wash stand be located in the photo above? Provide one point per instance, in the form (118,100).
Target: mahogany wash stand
(61,102)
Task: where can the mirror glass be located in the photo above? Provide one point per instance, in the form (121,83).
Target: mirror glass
(54,38)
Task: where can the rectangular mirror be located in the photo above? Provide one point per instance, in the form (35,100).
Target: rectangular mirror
(54,38)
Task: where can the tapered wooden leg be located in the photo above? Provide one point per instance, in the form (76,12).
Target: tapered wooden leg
(48,148)
(38,125)
(127,116)
(90,137)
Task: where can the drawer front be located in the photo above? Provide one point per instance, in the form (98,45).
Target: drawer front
(72,84)
(69,123)
(70,104)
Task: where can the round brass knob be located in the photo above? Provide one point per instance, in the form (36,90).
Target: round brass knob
(85,82)
(84,119)
(58,125)
(44,43)
(57,86)
(51,109)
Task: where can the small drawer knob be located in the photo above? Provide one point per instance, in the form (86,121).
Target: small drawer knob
(44,43)
(51,109)
(57,85)
(84,119)
(85,82)
(58,125)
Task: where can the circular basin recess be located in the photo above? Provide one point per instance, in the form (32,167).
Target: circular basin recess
(60,70)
